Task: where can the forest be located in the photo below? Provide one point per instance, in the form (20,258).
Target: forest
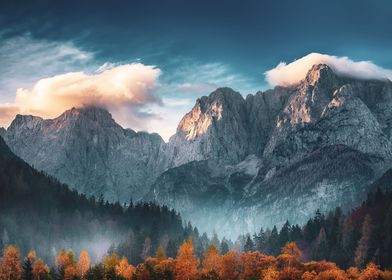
(37,212)
(185,266)
(41,217)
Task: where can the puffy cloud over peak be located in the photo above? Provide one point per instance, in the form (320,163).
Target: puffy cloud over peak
(125,90)
(290,74)
(125,85)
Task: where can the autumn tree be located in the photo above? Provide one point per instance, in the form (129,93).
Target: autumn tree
(291,254)
(212,259)
(66,265)
(229,266)
(124,269)
(109,265)
(40,270)
(371,272)
(160,254)
(83,264)
(254,263)
(186,262)
(10,267)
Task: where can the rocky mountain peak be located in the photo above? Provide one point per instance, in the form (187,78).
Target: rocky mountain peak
(87,113)
(320,73)
(209,109)
(25,121)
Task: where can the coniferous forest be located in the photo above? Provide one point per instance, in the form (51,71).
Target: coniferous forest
(147,241)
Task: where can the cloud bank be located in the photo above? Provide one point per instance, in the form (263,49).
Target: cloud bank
(124,90)
(290,74)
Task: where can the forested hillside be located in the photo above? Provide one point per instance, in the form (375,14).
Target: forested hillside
(37,212)
(364,235)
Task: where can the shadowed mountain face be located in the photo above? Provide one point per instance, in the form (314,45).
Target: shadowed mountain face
(234,163)
(38,212)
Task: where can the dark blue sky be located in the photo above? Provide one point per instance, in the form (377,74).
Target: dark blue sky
(250,36)
(222,42)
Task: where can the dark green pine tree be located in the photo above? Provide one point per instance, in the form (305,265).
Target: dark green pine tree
(284,234)
(273,247)
(27,273)
(320,250)
(171,249)
(260,240)
(387,250)
(362,251)
(95,273)
(249,245)
(224,247)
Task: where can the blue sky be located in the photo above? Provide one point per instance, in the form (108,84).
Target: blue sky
(197,45)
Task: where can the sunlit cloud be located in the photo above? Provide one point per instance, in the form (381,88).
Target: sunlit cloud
(290,74)
(7,113)
(124,90)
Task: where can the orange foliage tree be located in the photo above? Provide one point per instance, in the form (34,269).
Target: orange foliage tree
(40,269)
(66,265)
(230,266)
(10,267)
(124,269)
(83,264)
(186,262)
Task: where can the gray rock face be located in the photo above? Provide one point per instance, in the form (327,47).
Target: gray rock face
(215,129)
(86,149)
(318,145)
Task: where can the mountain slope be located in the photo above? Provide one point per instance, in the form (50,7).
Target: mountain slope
(37,212)
(86,149)
(326,144)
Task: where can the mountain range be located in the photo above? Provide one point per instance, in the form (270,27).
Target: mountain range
(234,163)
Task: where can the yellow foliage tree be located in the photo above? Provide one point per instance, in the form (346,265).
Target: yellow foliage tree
(109,263)
(160,254)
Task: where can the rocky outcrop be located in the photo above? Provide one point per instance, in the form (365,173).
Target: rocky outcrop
(215,129)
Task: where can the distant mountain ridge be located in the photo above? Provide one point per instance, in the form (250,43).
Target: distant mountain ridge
(269,157)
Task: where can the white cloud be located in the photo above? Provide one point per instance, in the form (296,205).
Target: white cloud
(7,113)
(124,90)
(290,74)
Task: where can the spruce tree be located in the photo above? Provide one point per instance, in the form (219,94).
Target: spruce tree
(249,245)
(362,251)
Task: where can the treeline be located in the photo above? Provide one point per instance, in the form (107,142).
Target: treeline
(36,211)
(185,266)
(355,239)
